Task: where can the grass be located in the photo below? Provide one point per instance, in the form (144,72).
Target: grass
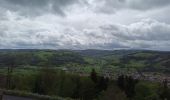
(32,95)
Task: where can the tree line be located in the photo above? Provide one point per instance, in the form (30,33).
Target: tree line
(52,82)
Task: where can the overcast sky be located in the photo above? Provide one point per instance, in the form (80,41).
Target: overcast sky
(85,24)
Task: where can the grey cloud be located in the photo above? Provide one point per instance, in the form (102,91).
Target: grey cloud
(144,30)
(112,6)
(144,34)
(147,4)
(37,7)
(84,27)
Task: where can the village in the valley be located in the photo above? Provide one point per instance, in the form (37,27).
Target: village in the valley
(110,73)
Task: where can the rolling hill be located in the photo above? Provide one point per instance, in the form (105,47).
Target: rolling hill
(143,60)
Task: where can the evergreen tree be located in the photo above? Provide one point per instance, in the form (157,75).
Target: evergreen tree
(130,86)
(93,76)
(121,82)
(76,93)
(102,84)
(127,84)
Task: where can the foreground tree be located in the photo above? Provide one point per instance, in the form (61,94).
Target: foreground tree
(102,83)
(46,80)
(93,76)
(121,82)
(146,91)
(113,93)
(127,84)
(10,62)
(165,91)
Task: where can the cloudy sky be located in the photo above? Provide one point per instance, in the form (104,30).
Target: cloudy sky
(85,24)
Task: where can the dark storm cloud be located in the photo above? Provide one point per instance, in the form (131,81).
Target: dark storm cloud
(37,7)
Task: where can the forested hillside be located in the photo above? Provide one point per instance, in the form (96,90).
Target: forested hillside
(39,57)
(138,59)
(87,74)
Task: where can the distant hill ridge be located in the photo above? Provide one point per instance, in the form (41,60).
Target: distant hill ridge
(145,60)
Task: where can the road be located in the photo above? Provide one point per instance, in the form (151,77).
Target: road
(7,97)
